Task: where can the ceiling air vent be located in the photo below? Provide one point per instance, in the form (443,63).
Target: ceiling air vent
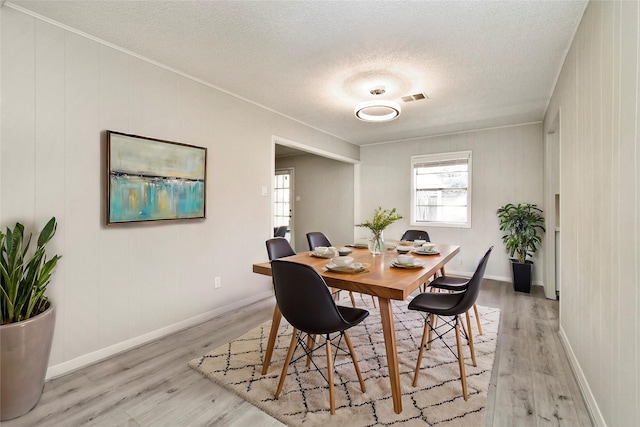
(415,97)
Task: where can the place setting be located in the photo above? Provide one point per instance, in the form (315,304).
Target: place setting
(330,251)
(407,261)
(346,264)
(426,249)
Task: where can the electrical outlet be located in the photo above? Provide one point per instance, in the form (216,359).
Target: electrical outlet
(217,282)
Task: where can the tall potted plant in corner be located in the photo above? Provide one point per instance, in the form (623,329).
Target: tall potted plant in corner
(521,223)
(27,322)
(382,218)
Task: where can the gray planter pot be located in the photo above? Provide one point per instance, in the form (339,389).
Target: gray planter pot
(24,358)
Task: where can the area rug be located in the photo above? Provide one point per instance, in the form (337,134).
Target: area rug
(436,401)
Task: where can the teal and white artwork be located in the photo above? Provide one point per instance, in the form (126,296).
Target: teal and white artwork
(150,179)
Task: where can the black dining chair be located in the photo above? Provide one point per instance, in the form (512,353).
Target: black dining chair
(456,284)
(449,305)
(317,238)
(279,247)
(411,235)
(280,231)
(306,302)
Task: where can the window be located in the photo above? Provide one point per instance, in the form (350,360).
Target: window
(441,189)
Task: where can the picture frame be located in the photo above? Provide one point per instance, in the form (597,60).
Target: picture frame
(151,179)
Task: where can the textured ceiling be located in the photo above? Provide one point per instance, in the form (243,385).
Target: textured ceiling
(481,63)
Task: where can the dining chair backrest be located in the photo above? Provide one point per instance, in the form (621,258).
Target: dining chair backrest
(279,247)
(317,238)
(473,287)
(411,235)
(304,298)
(280,231)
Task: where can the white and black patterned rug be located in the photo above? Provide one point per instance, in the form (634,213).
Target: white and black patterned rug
(437,400)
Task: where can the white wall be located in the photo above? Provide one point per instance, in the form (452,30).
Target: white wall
(597,97)
(119,286)
(326,191)
(507,168)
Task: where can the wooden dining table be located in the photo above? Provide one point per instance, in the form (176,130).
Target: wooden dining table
(379,279)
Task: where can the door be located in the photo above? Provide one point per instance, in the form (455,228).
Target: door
(283,201)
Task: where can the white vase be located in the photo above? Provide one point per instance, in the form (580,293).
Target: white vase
(376,243)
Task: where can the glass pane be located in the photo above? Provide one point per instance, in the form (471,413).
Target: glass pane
(441,213)
(442,180)
(442,198)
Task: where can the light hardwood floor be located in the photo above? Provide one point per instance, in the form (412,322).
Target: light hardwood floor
(531,384)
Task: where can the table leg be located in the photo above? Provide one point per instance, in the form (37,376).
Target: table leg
(275,324)
(389,331)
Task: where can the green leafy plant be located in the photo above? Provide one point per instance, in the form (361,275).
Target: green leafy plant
(24,278)
(381,220)
(521,223)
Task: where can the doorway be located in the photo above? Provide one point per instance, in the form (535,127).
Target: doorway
(552,205)
(314,202)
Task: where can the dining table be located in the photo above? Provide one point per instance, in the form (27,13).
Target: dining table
(382,279)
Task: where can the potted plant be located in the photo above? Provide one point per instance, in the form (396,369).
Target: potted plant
(381,220)
(521,223)
(27,319)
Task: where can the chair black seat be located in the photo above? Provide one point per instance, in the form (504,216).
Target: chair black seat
(352,316)
(441,304)
(455,284)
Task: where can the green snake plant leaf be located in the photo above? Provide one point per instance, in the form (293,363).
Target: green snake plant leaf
(23,278)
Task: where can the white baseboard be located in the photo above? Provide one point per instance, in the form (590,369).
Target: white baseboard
(96,356)
(592,406)
(488,276)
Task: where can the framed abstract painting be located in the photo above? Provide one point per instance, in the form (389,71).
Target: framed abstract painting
(152,180)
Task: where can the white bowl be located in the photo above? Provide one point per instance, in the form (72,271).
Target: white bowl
(419,242)
(405,259)
(403,249)
(342,261)
(429,247)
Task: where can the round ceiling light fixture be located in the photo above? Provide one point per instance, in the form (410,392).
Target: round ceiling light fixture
(377,111)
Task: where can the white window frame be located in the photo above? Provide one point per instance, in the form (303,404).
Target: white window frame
(435,158)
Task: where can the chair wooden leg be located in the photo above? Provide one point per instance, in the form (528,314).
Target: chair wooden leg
(332,404)
(275,323)
(353,300)
(475,311)
(463,375)
(374,301)
(470,335)
(355,361)
(426,332)
(311,343)
(292,348)
(433,325)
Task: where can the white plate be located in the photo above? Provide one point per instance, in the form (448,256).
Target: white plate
(417,263)
(425,252)
(358,246)
(327,255)
(347,269)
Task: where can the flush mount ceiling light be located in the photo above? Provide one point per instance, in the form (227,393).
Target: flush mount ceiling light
(377,111)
